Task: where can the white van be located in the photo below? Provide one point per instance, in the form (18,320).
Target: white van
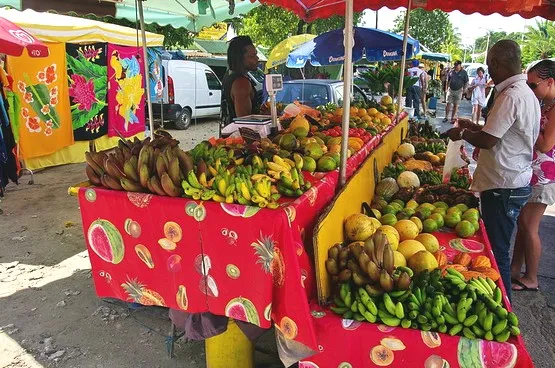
(191,90)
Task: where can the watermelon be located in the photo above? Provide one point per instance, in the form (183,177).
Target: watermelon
(387,188)
(307,365)
(106,242)
(497,355)
(239,210)
(466,245)
(243,310)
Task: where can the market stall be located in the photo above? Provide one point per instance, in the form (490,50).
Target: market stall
(246,262)
(73,116)
(387,342)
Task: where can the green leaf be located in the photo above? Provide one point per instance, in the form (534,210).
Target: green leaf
(81,117)
(41,97)
(14,112)
(101,88)
(85,68)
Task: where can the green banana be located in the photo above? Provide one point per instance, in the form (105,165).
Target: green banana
(389,305)
(450,319)
(348,315)
(514,330)
(405,323)
(193,181)
(354,306)
(467,332)
(488,322)
(399,310)
(338,302)
(513,319)
(339,310)
(391,321)
(456,329)
(372,318)
(499,327)
(503,336)
(470,320)
(456,273)
(497,295)
(488,336)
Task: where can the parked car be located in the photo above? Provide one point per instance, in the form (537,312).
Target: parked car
(316,92)
(472,71)
(191,90)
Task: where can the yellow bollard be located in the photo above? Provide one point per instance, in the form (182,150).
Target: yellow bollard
(232,349)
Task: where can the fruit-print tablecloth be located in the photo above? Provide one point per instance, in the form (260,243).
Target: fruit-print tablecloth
(346,343)
(243,262)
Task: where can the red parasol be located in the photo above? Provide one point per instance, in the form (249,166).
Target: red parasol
(310,10)
(13,40)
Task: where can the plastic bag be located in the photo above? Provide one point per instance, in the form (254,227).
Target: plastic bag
(453,159)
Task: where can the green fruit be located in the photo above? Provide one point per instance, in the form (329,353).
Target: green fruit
(429,225)
(427,205)
(423,213)
(452,219)
(438,218)
(471,214)
(454,209)
(300,132)
(313,150)
(462,207)
(397,206)
(309,164)
(475,223)
(326,163)
(389,209)
(399,202)
(288,142)
(441,204)
(412,204)
(336,157)
(388,219)
(408,212)
(442,211)
(465,229)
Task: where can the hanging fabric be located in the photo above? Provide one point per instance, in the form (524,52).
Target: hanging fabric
(126,92)
(88,87)
(40,86)
(8,162)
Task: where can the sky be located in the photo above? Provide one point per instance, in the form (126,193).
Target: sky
(494,22)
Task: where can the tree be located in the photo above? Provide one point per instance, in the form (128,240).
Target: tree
(429,27)
(539,41)
(481,43)
(452,43)
(268,25)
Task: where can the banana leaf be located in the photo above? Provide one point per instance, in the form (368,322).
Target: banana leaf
(80,118)
(85,68)
(41,98)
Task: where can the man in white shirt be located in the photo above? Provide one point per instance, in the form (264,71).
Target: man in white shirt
(506,143)
(414,92)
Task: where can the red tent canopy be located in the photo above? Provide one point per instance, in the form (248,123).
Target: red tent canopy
(13,40)
(310,10)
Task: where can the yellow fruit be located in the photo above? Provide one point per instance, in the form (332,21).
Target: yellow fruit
(422,260)
(429,242)
(376,222)
(409,247)
(358,227)
(338,111)
(372,111)
(412,204)
(362,113)
(407,229)
(391,234)
(366,118)
(354,111)
(386,100)
(398,259)
(299,122)
(386,120)
(418,223)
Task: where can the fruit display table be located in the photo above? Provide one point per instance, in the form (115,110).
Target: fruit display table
(348,343)
(202,256)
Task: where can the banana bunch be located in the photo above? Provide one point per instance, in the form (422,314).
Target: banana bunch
(239,184)
(369,264)
(220,155)
(288,174)
(156,166)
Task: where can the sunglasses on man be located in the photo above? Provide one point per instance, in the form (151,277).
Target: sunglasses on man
(533,85)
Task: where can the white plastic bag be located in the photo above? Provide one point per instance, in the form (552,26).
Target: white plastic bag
(453,159)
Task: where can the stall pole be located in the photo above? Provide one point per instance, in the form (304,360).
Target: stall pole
(145,56)
(403,61)
(347,80)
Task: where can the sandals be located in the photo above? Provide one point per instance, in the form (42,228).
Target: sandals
(523,287)
(445,120)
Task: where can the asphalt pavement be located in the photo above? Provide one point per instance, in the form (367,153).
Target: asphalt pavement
(536,310)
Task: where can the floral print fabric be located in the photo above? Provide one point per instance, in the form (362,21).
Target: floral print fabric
(126,93)
(41,95)
(88,86)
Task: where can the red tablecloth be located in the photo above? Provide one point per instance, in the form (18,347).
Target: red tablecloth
(346,341)
(254,259)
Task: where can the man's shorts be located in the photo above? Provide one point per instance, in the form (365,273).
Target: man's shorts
(454,97)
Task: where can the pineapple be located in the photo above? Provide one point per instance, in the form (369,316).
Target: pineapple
(140,294)
(271,258)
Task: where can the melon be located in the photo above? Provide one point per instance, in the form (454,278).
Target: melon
(358,227)
(239,210)
(242,309)
(406,150)
(106,242)
(408,179)
(387,188)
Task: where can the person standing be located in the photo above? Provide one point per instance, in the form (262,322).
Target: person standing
(423,79)
(239,93)
(541,79)
(478,89)
(506,143)
(458,80)
(443,76)
(414,92)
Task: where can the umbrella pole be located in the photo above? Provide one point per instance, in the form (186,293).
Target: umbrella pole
(147,72)
(347,82)
(403,61)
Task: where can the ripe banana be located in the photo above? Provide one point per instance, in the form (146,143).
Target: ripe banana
(130,170)
(174,172)
(130,185)
(169,187)
(94,178)
(155,186)
(192,179)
